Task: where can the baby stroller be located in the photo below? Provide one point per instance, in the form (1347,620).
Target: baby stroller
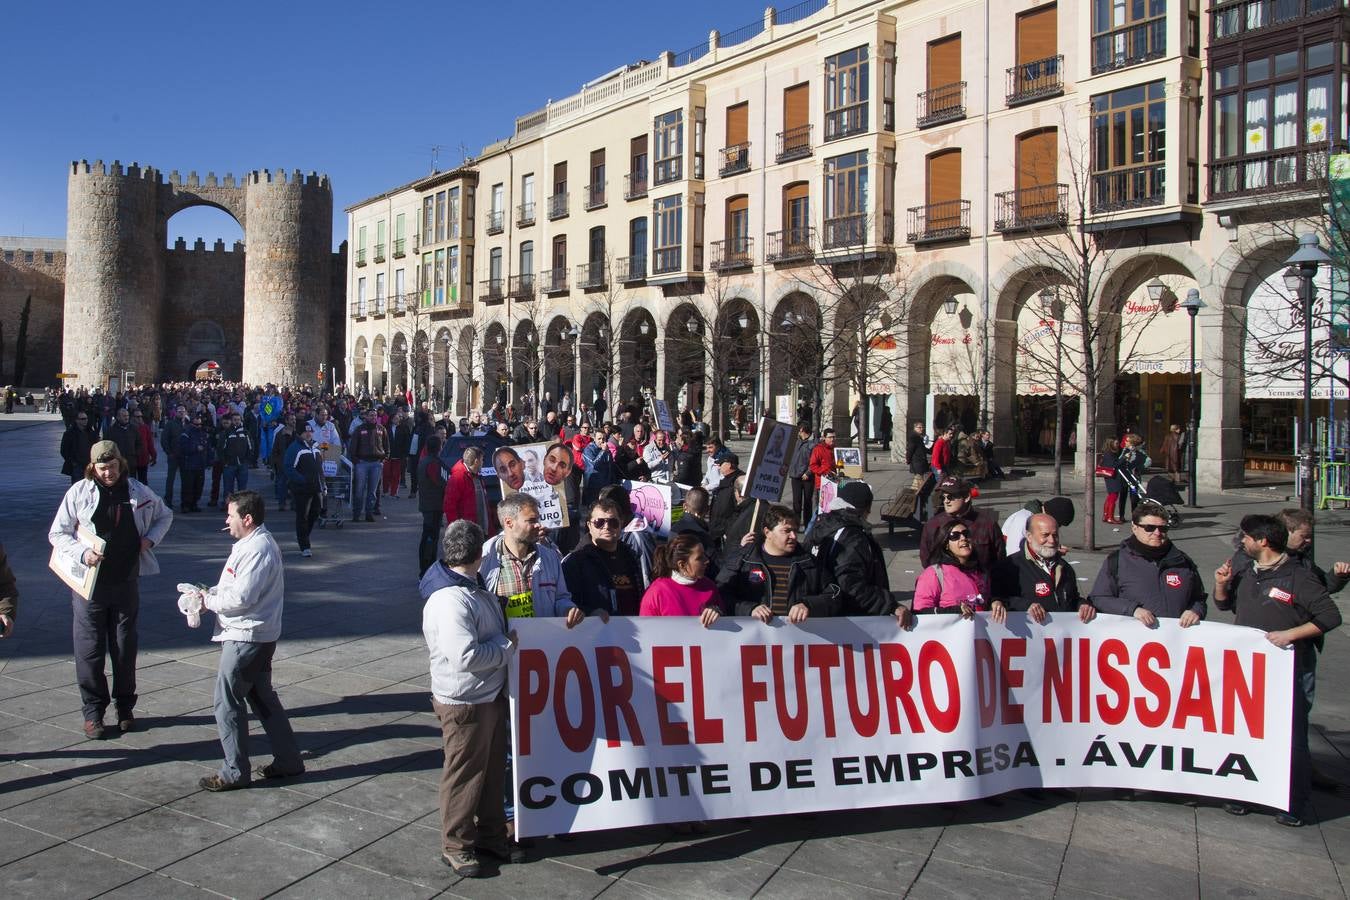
(1160,490)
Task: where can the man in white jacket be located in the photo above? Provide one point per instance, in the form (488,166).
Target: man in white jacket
(247,602)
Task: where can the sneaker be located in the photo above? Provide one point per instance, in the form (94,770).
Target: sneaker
(271,770)
(1289,820)
(1235,809)
(305,553)
(215,784)
(464,863)
(94,731)
(512,853)
(127,724)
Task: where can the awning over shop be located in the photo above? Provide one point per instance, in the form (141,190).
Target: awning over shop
(955,361)
(1272,363)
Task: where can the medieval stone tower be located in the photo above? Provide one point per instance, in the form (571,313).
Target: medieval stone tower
(122,312)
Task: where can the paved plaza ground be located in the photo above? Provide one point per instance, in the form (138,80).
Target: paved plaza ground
(124,817)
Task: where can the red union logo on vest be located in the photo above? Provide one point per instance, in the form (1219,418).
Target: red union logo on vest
(1173,579)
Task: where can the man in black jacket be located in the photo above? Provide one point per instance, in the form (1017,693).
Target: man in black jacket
(799,473)
(75,444)
(695,521)
(606,572)
(1277,594)
(774,575)
(168,442)
(723,497)
(1037,578)
(851,558)
(917,458)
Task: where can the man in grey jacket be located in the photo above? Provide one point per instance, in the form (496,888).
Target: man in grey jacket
(247,602)
(799,472)
(469,646)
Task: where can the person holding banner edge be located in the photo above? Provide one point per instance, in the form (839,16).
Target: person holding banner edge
(1271,591)
(770,574)
(852,559)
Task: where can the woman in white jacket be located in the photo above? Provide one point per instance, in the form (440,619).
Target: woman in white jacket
(130,520)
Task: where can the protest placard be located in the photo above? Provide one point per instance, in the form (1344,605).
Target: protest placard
(769,456)
(539,470)
(848,461)
(662,417)
(648,720)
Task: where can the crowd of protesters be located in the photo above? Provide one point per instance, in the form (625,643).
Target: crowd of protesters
(485,559)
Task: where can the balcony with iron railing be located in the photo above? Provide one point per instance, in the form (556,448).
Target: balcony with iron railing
(665,171)
(845,231)
(635,185)
(521,287)
(1128,188)
(379,307)
(946,220)
(595,195)
(733,253)
(592,276)
(525,214)
(791,245)
(946,103)
(735,159)
(492,292)
(401,303)
(631,269)
(1129,46)
(379,253)
(1036,80)
(360,256)
(399,244)
(795,143)
(846,121)
(1032,208)
(358,309)
(1228,20)
(667,260)
(496,221)
(1287,171)
(553,281)
(557,206)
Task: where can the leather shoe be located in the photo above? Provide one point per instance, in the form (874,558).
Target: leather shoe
(127,724)
(94,731)
(272,771)
(464,863)
(1289,820)
(1235,809)
(215,784)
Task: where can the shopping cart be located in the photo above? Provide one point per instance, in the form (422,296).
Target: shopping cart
(337,486)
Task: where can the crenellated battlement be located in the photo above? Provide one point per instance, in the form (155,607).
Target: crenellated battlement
(281,176)
(116,169)
(199,246)
(194,181)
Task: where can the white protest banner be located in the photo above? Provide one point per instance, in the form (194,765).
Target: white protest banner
(538,470)
(769,456)
(648,720)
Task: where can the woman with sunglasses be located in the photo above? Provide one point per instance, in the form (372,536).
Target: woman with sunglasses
(1148,576)
(955,582)
(680,583)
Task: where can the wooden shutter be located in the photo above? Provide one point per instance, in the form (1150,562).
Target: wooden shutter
(738,220)
(944,176)
(944,62)
(1037,34)
(738,124)
(1037,158)
(560,252)
(796,106)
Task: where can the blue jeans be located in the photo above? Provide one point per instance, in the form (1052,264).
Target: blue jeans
(245,677)
(365,483)
(233,478)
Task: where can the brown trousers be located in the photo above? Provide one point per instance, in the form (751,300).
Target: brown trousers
(474,776)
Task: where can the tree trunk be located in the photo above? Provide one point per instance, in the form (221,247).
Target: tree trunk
(1089,403)
(21,343)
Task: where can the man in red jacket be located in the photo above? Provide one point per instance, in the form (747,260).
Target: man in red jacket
(943,453)
(822,457)
(465,497)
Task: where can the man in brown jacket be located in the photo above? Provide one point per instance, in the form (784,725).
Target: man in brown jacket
(368,448)
(9,596)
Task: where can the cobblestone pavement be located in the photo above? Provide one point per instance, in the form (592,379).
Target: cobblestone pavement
(124,817)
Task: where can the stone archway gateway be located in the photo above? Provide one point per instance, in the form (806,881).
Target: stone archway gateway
(120,305)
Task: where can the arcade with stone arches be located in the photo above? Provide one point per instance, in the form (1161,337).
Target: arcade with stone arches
(262,309)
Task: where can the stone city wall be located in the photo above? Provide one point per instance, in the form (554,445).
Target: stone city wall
(41,275)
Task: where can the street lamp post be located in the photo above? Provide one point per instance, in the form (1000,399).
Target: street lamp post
(1304,264)
(1192,304)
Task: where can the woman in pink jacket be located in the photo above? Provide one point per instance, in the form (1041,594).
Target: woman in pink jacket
(955,583)
(679,586)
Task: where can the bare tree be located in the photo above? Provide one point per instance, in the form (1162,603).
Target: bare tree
(607,305)
(1070,266)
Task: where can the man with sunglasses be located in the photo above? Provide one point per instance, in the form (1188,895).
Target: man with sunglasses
(1149,577)
(75,446)
(605,573)
(956,497)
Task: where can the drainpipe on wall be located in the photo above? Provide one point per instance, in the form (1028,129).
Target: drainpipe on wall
(984,235)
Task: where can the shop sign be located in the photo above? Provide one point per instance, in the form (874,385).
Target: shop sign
(1272,362)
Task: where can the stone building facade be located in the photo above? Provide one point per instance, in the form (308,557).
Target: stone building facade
(706,226)
(133,306)
(36,268)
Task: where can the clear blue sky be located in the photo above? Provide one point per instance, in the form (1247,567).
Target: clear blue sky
(360,91)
